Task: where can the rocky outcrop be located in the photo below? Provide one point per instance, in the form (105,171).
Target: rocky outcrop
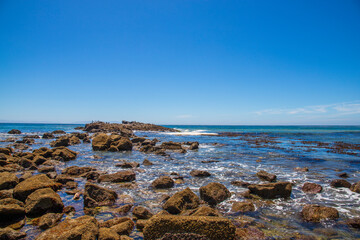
(163,182)
(271,190)
(43,201)
(65,141)
(84,228)
(214,193)
(266,176)
(213,228)
(200,173)
(113,143)
(30,185)
(58,132)
(95,196)
(122,176)
(8,180)
(316,213)
(182,200)
(311,188)
(337,183)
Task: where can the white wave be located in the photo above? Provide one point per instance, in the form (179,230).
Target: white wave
(190,133)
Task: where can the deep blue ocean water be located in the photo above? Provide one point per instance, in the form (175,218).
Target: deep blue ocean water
(238,158)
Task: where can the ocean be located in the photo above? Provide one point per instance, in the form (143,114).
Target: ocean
(232,153)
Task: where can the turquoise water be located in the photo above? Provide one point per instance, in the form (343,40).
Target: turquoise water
(238,158)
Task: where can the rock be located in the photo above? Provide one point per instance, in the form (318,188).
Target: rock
(240,184)
(214,193)
(124,228)
(343,175)
(113,222)
(316,213)
(8,180)
(337,183)
(62,141)
(69,209)
(124,144)
(11,234)
(92,175)
(243,207)
(187,236)
(171,146)
(48,136)
(6,151)
(49,220)
(204,211)
(354,223)
(46,169)
(146,162)
(63,154)
(271,190)
(266,176)
(84,228)
(200,173)
(58,132)
(213,228)
(124,209)
(122,176)
(71,185)
(311,188)
(10,210)
(141,213)
(128,165)
(182,200)
(163,182)
(104,142)
(101,142)
(6,194)
(140,224)
(30,185)
(14,131)
(63,179)
(108,234)
(138,139)
(77,171)
(194,146)
(43,201)
(355,187)
(95,196)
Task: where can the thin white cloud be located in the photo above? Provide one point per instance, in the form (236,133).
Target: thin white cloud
(337,108)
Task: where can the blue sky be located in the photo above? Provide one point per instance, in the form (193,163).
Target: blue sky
(180,61)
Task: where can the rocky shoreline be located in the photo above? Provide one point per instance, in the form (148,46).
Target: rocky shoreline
(30,182)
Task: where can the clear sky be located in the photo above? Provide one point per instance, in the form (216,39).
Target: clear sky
(180,61)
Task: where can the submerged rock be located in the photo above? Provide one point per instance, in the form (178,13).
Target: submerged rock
(182,200)
(311,188)
(213,228)
(214,193)
(95,196)
(340,183)
(271,190)
(316,213)
(200,173)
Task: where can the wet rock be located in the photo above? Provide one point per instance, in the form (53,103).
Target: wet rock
(343,175)
(124,144)
(65,141)
(250,233)
(204,211)
(271,190)
(108,234)
(26,175)
(49,220)
(8,180)
(337,183)
(355,187)
(101,142)
(214,193)
(104,142)
(10,210)
(266,176)
(141,213)
(69,209)
(30,185)
(63,179)
(182,200)
(146,162)
(124,228)
(213,228)
(125,209)
(71,185)
(171,146)
(63,154)
(163,182)
(6,194)
(14,131)
(95,196)
(11,234)
(240,184)
(200,173)
(311,188)
(128,165)
(354,223)
(138,139)
(48,136)
(113,222)
(42,201)
(243,207)
(77,171)
(46,169)
(92,175)
(122,176)
(316,213)
(6,151)
(194,146)
(84,228)
(58,132)
(140,224)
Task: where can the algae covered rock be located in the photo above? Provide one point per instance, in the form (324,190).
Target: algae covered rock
(122,176)
(95,196)
(11,234)
(316,213)
(141,213)
(214,193)
(49,220)
(42,201)
(271,190)
(243,207)
(263,175)
(182,200)
(163,182)
(213,228)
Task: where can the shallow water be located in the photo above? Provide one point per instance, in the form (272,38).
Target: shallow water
(238,160)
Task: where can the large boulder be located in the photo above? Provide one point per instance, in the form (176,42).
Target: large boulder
(213,228)
(271,190)
(214,193)
(108,234)
(171,146)
(65,141)
(182,200)
(43,201)
(84,228)
(316,213)
(48,136)
(8,180)
(163,182)
(263,175)
(30,185)
(95,196)
(101,142)
(124,228)
(122,176)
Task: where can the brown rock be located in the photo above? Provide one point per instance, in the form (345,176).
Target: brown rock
(214,193)
(243,207)
(95,196)
(187,236)
(108,234)
(11,209)
(354,223)
(124,144)
(266,176)
(14,131)
(182,200)
(48,136)
(171,146)
(213,228)
(316,213)
(46,169)
(42,201)
(271,190)
(113,222)
(58,132)
(146,162)
(311,188)
(125,209)
(141,213)
(8,180)
(124,228)
(337,183)
(128,165)
(49,220)
(355,187)
(101,142)
(122,176)
(77,171)
(200,173)
(194,146)
(240,184)
(204,211)
(163,182)
(11,234)
(63,154)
